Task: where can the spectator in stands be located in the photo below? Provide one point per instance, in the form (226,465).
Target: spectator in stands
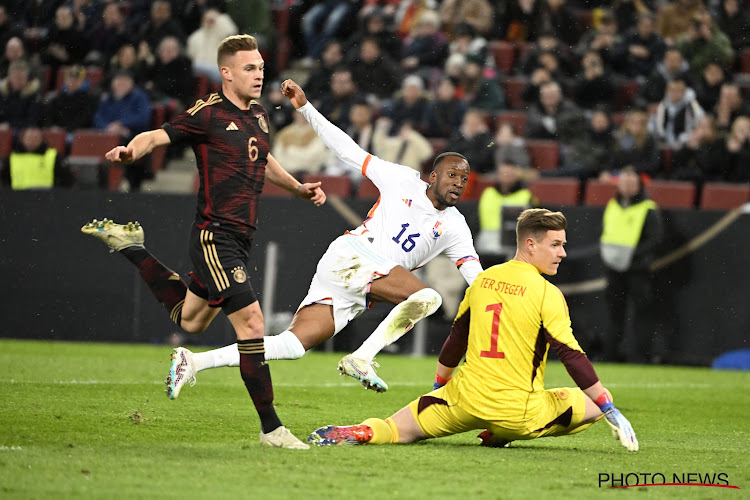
(73,107)
(732,160)
(65,44)
(299,148)
(627,12)
(672,65)
(476,13)
(530,92)
(108,34)
(445,113)
(539,56)
(160,25)
(408,106)
(474,141)
(708,86)
(633,145)
(126,59)
(362,130)
(34,165)
(694,160)
(676,18)
(594,87)
(520,21)
(374,26)
(9,28)
(510,148)
(549,119)
(478,90)
(125,111)
(676,115)
(465,41)
(337,102)
(703,43)
(499,206)
(632,230)
(640,50)
(377,75)
(603,38)
(170,79)
(85,12)
(319,81)
(585,154)
(733,19)
(407,147)
(322,23)
(426,47)
(203,43)
(555,16)
(15,50)
(730,106)
(20,98)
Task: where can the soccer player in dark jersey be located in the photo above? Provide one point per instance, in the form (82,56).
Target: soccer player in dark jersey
(228,131)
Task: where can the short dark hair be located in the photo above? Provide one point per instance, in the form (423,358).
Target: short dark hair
(445,155)
(535,222)
(233,44)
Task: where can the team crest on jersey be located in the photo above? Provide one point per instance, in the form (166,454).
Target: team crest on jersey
(408,202)
(262,124)
(239,275)
(437,229)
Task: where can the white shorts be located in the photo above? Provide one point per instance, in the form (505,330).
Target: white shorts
(344,276)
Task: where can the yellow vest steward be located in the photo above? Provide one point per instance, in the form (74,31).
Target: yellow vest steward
(491,203)
(622,232)
(32,170)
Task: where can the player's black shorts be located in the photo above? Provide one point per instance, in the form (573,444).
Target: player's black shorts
(220,269)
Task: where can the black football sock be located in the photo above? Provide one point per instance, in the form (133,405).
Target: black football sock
(257,377)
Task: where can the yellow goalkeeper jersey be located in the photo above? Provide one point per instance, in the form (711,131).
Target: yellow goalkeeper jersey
(513,315)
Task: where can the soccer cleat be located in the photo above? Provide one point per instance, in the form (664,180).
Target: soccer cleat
(363,371)
(182,370)
(282,438)
(331,435)
(115,236)
(489,440)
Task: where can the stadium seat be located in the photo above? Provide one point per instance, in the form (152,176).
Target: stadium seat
(617,119)
(724,196)
(598,193)
(476,187)
(585,19)
(625,93)
(87,151)
(556,191)
(515,118)
(672,194)
(93,73)
(513,86)
(504,54)
(367,190)
(271,189)
(745,60)
(55,138)
(340,185)
(6,143)
(666,159)
(544,155)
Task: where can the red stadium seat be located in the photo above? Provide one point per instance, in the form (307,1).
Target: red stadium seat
(340,185)
(598,193)
(724,196)
(672,194)
(55,138)
(745,60)
(88,149)
(504,54)
(545,155)
(476,188)
(666,159)
(513,86)
(6,143)
(515,118)
(625,93)
(367,190)
(271,189)
(617,119)
(556,191)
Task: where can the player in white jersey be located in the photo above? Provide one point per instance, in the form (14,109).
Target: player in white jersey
(411,223)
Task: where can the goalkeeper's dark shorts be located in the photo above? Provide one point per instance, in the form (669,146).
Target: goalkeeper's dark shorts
(220,273)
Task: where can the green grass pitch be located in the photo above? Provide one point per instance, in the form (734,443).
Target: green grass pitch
(84,420)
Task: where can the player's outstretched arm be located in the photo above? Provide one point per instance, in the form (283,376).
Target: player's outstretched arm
(141,145)
(334,138)
(277,175)
(620,425)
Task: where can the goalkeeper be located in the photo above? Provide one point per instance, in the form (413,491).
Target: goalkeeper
(506,323)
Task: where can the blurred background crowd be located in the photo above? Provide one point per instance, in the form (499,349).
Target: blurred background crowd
(525,89)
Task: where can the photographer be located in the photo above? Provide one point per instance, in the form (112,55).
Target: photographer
(704,43)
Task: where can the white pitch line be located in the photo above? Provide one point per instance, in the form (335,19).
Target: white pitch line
(668,385)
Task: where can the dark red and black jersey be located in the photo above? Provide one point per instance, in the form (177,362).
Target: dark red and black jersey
(231,149)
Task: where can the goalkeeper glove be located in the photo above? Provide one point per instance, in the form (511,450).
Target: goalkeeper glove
(621,428)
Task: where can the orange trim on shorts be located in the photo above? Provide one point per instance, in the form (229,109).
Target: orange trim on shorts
(364,165)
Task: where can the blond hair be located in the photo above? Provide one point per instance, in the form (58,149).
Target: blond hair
(535,222)
(233,44)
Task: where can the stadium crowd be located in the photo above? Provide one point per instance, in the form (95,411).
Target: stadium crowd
(578,89)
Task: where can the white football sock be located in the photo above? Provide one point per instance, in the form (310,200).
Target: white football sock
(400,320)
(285,345)
(223,356)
